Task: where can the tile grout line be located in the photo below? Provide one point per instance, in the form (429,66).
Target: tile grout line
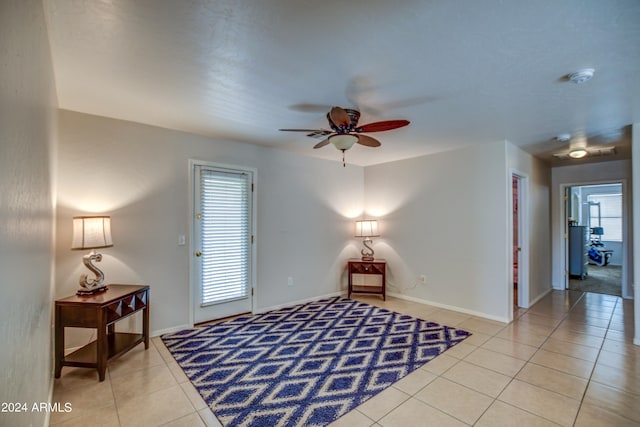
(495,399)
(115,404)
(527,361)
(596,362)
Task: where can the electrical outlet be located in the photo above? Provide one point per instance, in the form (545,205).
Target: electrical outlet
(290,281)
(423,279)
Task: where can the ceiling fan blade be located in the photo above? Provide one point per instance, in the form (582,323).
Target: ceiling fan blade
(319,133)
(382,126)
(340,117)
(368,141)
(321,143)
(313,133)
(302,130)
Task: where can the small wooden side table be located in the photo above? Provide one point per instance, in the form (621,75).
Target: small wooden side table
(375,267)
(101,311)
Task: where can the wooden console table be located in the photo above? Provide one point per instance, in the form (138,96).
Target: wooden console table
(375,267)
(100,311)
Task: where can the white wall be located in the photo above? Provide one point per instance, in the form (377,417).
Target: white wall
(538,216)
(27,169)
(445,216)
(591,173)
(138,174)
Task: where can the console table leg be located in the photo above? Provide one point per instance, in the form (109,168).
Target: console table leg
(102,346)
(145,326)
(59,344)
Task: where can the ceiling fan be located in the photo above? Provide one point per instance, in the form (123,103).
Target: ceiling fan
(346,132)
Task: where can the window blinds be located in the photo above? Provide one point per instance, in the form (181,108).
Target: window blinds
(225,227)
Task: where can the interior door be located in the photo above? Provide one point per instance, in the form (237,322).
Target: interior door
(222,242)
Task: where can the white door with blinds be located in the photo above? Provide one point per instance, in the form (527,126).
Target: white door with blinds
(222,241)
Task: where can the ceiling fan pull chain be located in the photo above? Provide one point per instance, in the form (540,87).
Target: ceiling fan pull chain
(343,163)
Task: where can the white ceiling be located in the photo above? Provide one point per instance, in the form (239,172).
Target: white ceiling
(463,72)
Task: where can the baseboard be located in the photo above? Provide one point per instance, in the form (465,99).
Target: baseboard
(171,330)
(292,303)
(47,414)
(449,307)
(72,349)
(539,297)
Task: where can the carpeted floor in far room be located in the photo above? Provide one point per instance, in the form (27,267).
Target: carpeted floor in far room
(601,280)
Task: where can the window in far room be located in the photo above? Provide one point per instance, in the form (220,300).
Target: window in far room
(605,210)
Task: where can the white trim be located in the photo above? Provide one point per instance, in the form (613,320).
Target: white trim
(190,225)
(47,414)
(627,286)
(192,163)
(173,329)
(292,303)
(539,297)
(450,307)
(636,292)
(523,240)
(72,349)
(564,242)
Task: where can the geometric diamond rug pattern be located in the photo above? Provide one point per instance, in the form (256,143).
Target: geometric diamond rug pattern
(305,365)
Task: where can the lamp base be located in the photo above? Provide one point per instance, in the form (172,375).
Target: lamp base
(367,255)
(85,292)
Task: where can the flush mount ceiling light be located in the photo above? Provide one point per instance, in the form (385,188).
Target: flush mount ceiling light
(578,154)
(581,76)
(592,152)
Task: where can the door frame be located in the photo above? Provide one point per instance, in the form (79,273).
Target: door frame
(564,267)
(523,239)
(191,224)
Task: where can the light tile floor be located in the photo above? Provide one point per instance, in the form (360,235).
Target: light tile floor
(568,360)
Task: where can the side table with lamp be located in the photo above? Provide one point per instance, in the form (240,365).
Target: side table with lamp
(98,306)
(367,266)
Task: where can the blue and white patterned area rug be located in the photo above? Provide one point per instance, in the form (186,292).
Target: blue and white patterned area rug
(305,365)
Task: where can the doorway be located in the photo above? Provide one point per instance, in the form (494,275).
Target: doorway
(595,244)
(519,230)
(222,241)
(515,184)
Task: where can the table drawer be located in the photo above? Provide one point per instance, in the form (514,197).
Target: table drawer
(367,268)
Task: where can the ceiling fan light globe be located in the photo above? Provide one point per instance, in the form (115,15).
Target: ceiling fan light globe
(343,141)
(578,154)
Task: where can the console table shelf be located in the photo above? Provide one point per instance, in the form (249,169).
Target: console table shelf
(119,343)
(101,311)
